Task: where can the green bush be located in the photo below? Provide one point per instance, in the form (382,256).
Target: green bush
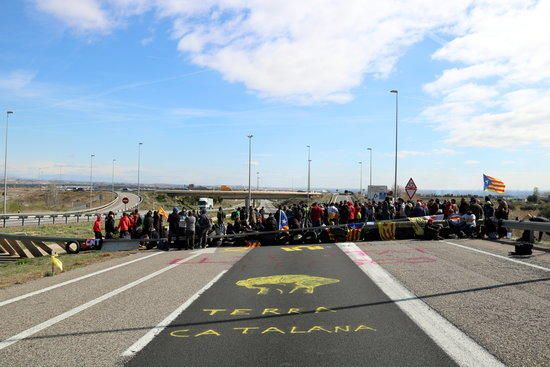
(545,210)
(529,206)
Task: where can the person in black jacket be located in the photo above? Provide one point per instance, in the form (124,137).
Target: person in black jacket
(110,227)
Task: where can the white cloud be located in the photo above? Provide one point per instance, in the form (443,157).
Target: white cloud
(290,50)
(499,97)
(16,80)
(495,93)
(471,162)
(85,15)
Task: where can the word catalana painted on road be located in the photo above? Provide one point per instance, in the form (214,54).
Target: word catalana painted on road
(300,281)
(264,311)
(255,330)
(303,247)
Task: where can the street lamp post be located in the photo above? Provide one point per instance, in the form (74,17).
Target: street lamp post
(113,177)
(370,167)
(308,172)
(8,113)
(91,179)
(249,174)
(361,178)
(396,131)
(139,167)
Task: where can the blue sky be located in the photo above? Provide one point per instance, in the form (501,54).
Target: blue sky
(191,81)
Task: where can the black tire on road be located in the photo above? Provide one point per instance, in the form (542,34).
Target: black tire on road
(72,247)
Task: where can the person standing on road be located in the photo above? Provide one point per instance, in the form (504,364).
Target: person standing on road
(97,227)
(191,222)
(110,228)
(173,223)
(124,226)
(205,225)
(148,224)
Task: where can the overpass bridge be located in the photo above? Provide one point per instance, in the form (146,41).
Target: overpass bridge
(242,194)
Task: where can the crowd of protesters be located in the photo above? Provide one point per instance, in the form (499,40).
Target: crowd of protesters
(186,229)
(189,229)
(466,214)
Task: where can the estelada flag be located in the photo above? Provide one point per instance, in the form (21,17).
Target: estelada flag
(283,221)
(56,262)
(386,229)
(162,212)
(493,184)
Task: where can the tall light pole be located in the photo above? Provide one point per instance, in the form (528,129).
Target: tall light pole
(370,167)
(113,177)
(249,174)
(361,178)
(308,172)
(91,179)
(8,113)
(396,130)
(257,181)
(139,167)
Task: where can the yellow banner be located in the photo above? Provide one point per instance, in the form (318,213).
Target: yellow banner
(418,225)
(386,230)
(56,262)
(162,212)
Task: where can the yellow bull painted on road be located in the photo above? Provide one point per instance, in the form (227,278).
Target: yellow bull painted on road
(300,281)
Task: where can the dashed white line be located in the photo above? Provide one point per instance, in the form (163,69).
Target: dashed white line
(27,295)
(146,339)
(46,324)
(461,348)
(497,256)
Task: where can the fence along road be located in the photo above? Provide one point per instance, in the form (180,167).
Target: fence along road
(347,304)
(116,206)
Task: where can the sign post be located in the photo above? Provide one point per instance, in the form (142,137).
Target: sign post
(411,188)
(125,200)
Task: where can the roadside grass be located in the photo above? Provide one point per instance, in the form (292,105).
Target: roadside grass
(82,230)
(25,270)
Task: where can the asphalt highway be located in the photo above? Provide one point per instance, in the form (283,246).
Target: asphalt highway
(394,303)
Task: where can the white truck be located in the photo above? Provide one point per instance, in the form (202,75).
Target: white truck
(206,203)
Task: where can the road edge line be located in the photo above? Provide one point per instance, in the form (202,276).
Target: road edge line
(497,256)
(74,280)
(151,334)
(76,310)
(459,346)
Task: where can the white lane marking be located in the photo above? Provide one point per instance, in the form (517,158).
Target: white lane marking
(27,295)
(54,320)
(146,339)
(498,256)
(460,347)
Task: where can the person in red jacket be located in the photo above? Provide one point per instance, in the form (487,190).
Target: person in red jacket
(97,227)
(316,214)
(351,212)
(124,226)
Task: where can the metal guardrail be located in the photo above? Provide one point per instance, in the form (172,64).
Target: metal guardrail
(40,217)
(525,225)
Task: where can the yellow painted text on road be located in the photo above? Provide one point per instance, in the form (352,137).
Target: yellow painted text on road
(304,247)
(264,330)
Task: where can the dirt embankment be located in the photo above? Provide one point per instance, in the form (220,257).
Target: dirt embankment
(53,199)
